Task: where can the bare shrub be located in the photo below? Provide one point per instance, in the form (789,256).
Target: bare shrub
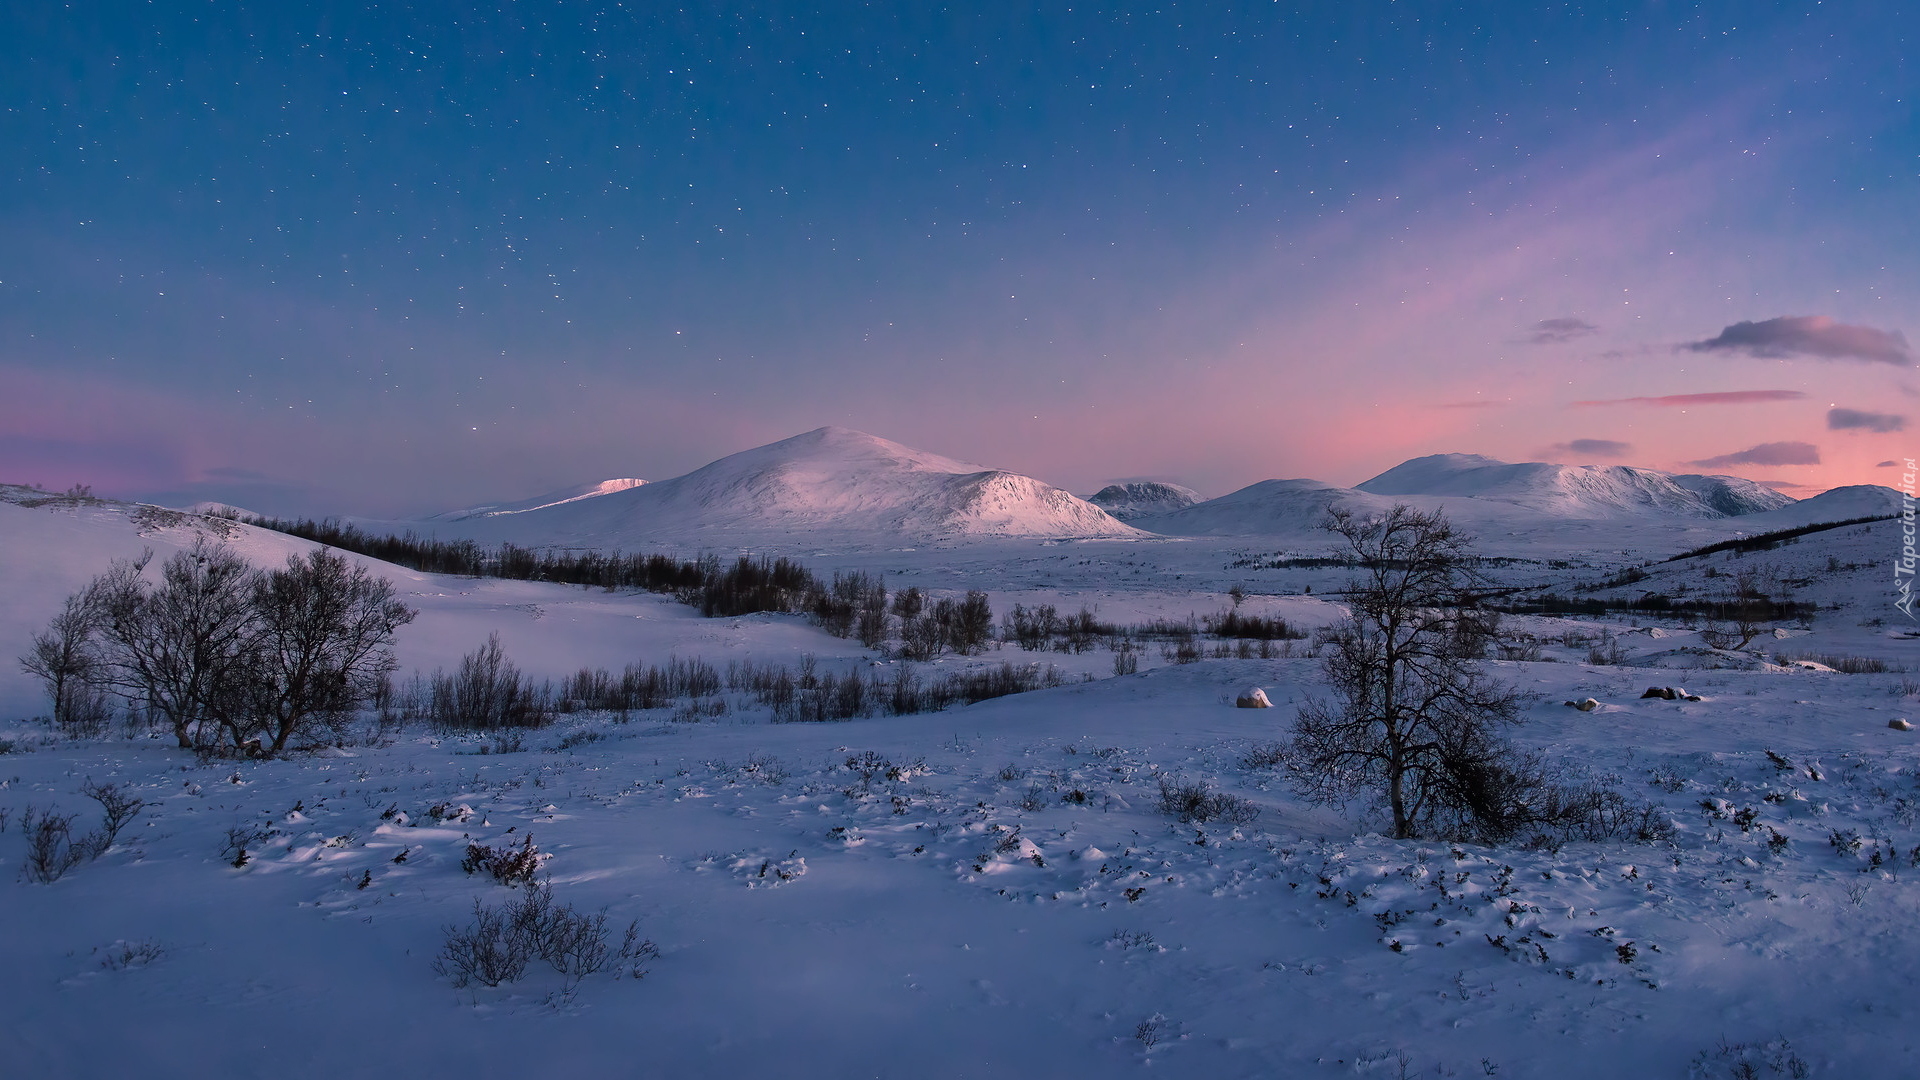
(502,941)
(508,864)
(129,955)
(118,807)
(493,950)
(1195,802)
(1265,755)
(239,838)
(52,849)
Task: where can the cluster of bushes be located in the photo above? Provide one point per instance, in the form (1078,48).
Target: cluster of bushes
(1042,627)
(487,693)
(230,658)
(1233,624)
(825,696)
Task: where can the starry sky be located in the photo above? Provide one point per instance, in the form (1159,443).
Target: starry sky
(390,259)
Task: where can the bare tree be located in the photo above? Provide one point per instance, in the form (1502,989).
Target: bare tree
(66,658)
(322,647)
(1412,720)
(179,647)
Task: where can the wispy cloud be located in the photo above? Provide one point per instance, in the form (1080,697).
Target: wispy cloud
(1470,404)
(1856,420)
(1594,448)
(1773,453)
(1809,335)
(1725,397)
(1555,331)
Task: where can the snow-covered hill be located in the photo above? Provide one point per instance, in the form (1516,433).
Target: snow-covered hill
(1142,497)
(1839,504)
(831,481)
(1577,491)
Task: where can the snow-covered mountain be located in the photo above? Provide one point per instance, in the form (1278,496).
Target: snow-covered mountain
(1839,504)
(1131,500)
(1577,491)
(828,481)
(541,502)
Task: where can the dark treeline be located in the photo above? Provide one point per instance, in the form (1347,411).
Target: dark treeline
(1042,627)
(1768,541)
(717,588)
(1659,604)
(805,693)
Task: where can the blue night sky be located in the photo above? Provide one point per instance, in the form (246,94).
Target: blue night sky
(383,259)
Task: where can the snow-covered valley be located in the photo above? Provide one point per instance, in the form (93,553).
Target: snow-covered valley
(1002,888)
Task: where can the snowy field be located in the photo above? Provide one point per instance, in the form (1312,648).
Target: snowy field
(995,889)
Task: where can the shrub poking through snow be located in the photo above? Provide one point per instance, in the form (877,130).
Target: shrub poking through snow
(1194,802)
(508,865)
(501,942)
(52,847)
(118,807)
(131,955)
(239,839)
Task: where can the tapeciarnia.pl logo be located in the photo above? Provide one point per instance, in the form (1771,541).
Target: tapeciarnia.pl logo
(1903,567)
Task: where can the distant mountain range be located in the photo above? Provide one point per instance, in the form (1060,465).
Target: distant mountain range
(834,481)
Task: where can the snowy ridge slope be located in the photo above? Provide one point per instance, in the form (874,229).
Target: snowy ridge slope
(830,480)
(1839,504)
(541,502)
(1577,491)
